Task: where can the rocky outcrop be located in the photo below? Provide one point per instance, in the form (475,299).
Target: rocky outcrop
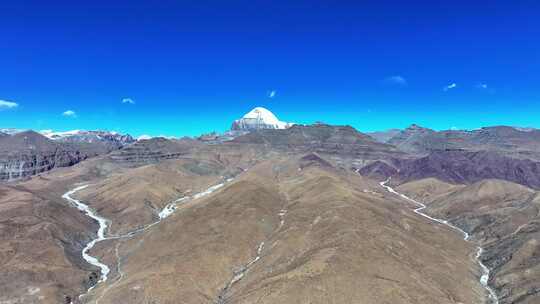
(29,153)
(153,150)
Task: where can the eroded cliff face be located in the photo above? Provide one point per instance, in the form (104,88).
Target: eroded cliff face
(154,150)
(34,162)
(29,153)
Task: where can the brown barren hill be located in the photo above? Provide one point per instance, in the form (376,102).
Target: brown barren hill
(286,233)
(503,218)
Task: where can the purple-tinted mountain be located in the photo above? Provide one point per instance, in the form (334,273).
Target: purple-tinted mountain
(379,170)
(458,167)
(471,166)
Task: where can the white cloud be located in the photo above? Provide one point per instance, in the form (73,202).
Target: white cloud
(482,86)
(396,80)
(128,101)
(70,113)
(6,105)
(450,87)
(272,94)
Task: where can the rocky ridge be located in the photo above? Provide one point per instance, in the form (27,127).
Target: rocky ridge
(28,153)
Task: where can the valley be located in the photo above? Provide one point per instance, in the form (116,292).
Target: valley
(273,213)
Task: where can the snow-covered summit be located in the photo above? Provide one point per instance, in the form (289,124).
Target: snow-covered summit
(58,135)
(81,136)
(259,118)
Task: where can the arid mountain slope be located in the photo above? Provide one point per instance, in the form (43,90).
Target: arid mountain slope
(282,234)
(504,218)
(147,189)
(41,239)
(302,220)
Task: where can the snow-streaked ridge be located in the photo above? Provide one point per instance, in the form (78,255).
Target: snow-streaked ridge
(56,135)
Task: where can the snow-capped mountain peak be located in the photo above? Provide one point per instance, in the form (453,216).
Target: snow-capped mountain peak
(88,136)
(259,118)
(57,135)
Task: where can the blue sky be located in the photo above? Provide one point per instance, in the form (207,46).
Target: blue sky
(194,66)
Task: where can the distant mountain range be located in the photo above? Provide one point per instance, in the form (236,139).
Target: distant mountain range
(26,153)
(384,153)
(418,140)
(306,201)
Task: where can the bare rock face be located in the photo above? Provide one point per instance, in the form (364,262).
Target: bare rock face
(153,150)
(257,119)
(29,153)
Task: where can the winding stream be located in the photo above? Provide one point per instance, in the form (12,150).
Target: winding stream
(100,235)
(484,279)
(238,275)
(104,225)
